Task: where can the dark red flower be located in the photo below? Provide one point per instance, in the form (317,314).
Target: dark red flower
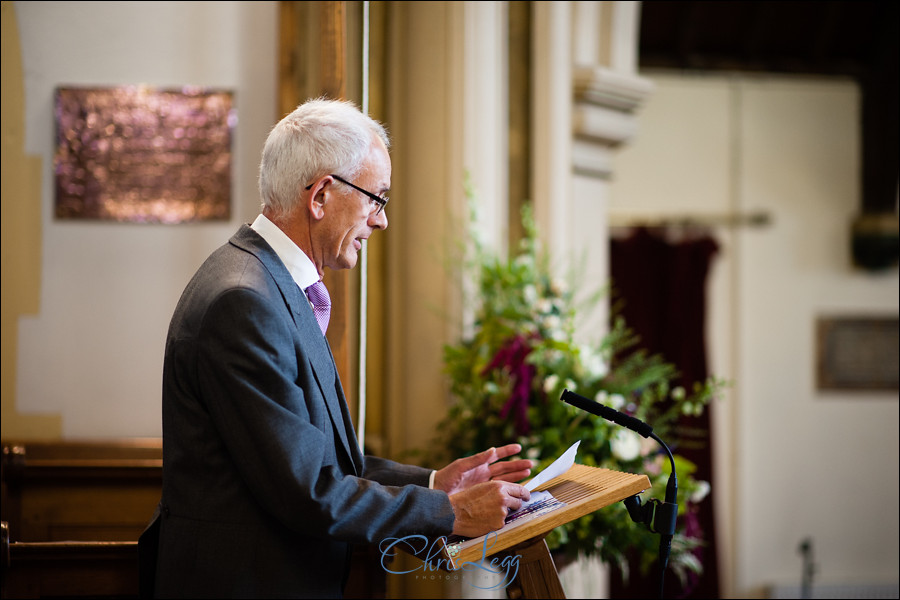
(511,358)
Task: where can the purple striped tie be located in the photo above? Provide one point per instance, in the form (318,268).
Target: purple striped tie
(321,303)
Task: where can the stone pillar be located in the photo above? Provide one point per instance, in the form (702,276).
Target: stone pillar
(587,93)
(586,96)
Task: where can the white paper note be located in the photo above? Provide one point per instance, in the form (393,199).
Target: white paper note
(559,466)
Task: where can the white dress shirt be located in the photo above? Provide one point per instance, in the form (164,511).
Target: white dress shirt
(298,264)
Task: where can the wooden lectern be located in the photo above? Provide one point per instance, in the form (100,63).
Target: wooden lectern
(583,489)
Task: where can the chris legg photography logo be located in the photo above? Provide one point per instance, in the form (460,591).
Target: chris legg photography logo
(433,560)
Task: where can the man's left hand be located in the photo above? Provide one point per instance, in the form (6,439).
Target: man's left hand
(463,473)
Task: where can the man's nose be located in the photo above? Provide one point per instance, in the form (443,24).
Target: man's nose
(379,221)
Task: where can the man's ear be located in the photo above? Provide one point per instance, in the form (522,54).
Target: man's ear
(318,197)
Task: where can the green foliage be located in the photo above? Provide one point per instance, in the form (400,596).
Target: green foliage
(508,373)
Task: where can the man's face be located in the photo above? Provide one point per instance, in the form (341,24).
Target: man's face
(350,215)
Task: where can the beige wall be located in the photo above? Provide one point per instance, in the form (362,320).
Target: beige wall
(87,360)
(791,461)
(21,235)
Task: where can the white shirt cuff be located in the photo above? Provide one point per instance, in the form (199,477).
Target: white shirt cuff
(431,480)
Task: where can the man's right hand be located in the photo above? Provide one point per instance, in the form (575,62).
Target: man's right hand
(483,507)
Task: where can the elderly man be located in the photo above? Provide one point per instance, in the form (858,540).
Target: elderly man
(264,485)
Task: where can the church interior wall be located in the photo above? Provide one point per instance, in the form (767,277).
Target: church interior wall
(793,461)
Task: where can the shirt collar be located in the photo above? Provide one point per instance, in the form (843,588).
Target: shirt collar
(298,264)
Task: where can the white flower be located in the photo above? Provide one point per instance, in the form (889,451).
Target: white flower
(701,492)
(616,401)
(550,383)
(544,306)
(601,396)
(594,363)
(625,444)
(530,294)
(677,393)
(557,286)
(571,385)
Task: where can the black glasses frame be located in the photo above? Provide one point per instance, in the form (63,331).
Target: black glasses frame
(380,200)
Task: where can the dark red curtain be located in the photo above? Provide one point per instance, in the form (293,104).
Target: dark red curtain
(659,279)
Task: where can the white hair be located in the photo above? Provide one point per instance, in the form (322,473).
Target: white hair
(318,138)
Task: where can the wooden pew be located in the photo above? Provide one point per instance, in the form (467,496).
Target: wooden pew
(69,569)
(80,490)
(72,512)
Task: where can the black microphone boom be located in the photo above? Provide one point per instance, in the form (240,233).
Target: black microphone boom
(658,516)
(610,414)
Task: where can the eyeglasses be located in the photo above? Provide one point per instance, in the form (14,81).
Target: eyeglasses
(379,200)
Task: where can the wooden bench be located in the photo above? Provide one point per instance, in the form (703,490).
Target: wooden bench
(69,569)
(80,490)
(72,512)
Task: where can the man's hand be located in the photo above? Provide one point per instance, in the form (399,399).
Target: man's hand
(483,507)
(464,473)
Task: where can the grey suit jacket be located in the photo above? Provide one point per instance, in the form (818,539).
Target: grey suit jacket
(264,485)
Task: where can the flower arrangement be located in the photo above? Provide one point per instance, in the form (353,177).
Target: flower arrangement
(506,378)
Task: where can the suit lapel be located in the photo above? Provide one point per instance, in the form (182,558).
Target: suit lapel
(320,356)
(326,375)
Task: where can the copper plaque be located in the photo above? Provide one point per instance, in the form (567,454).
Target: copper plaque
(857,353)
(143,155)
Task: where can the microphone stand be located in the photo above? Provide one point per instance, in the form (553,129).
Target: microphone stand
(659,517)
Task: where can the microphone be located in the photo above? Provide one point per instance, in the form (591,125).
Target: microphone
(659,517)
(610,414)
